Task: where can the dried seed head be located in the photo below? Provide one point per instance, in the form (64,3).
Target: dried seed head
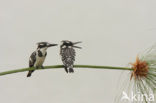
(143,77)
(140,69)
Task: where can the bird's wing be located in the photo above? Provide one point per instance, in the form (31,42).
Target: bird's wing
(32,59)
(68,56)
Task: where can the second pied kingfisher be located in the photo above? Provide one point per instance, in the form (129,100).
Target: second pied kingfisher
(67,53)
(37,57)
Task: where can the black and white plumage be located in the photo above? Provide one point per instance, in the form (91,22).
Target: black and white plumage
(67,53)
(37,58)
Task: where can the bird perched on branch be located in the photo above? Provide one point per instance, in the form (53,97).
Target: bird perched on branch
(37,57)
(67,53)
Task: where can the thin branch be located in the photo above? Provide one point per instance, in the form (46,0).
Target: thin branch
(61,66)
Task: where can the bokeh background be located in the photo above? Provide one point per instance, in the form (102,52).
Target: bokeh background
(113,33)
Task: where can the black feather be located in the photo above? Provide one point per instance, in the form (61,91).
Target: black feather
(32,61)
(68,57)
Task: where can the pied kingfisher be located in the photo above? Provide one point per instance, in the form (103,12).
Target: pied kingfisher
(37,57)
(67,53)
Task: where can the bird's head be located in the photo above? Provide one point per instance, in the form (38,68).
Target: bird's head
(45,45)
(69,44)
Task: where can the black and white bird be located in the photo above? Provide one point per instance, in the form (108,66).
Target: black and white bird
(67,53)
(37,57)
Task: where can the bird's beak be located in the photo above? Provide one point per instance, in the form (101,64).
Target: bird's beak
(50,45)
(77,42)
(77,46)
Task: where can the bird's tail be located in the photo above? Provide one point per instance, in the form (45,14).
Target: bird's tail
(65,68)
(71,70)
(29,73)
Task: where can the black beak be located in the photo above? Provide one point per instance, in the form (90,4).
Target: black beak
(77,46)
(77,42)
(50,45)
